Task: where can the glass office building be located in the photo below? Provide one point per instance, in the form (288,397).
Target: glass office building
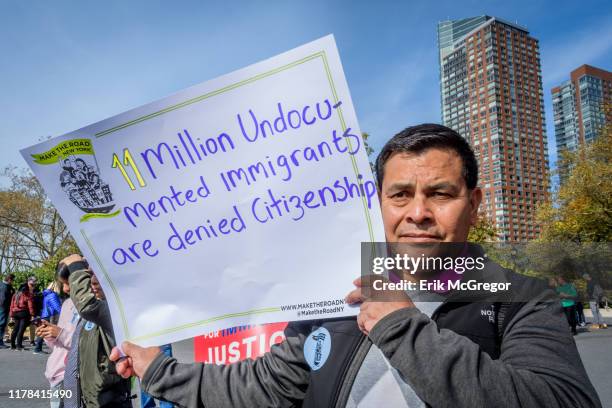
(578,106)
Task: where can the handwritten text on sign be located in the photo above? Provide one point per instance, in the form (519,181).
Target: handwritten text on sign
(188,150)
(242,200)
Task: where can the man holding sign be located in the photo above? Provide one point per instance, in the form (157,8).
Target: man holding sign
(395,352)
(228,182)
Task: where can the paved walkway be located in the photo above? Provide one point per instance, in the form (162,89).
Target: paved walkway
(595,348)
(24,370)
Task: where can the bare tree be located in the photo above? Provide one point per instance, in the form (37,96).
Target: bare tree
(31,230)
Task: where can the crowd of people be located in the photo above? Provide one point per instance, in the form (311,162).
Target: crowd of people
(573,305)
(71,316)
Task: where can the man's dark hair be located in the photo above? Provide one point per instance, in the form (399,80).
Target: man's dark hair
(62,272)
(417,139)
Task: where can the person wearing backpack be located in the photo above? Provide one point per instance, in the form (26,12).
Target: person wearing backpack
(595,294)
(22,310)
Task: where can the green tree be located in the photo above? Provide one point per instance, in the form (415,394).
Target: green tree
(582,211)
(33,236)
(484,230)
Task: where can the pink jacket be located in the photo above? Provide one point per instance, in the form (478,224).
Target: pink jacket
(56,364)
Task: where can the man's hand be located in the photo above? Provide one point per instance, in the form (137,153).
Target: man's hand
(137,359)
(371,312)
(47,330)
(71,258)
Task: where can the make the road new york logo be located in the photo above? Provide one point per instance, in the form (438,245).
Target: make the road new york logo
(317,348)
(78,175)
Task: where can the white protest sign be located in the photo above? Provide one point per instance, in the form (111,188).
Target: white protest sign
(241,200)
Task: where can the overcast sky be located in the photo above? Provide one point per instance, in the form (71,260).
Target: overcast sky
(65,64)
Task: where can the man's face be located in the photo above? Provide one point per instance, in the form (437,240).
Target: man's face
(424,198)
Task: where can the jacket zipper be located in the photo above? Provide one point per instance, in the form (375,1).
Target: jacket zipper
(350,372)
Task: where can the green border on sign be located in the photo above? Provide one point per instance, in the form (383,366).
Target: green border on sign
(112,284)
(320,54)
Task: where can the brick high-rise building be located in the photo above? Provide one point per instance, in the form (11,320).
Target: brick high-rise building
(578,106)
(491,90)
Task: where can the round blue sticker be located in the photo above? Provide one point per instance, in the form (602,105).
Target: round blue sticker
(317,347)
(89,326)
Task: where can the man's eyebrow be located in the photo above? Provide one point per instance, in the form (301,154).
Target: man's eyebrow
(444,185)
(400,185)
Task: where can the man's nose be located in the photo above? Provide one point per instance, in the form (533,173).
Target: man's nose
(418,211)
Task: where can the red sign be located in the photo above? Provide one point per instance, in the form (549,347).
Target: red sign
(238,343)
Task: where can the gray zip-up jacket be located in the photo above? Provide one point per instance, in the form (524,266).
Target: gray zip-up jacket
(538,364)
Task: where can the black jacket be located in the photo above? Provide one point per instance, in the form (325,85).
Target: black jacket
(6,294)
(457,358)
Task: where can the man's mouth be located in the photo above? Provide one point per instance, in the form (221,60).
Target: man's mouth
(419,237)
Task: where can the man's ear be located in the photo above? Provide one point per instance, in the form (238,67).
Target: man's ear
(475,200)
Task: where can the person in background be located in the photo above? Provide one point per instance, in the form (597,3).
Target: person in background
(580,313)
(552,283)
(58,336)
(52,304)
(22,310)
(568,293)
(51,308)
(37,301)
(146,400)
(594,294)
(6,295)
(90,375)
